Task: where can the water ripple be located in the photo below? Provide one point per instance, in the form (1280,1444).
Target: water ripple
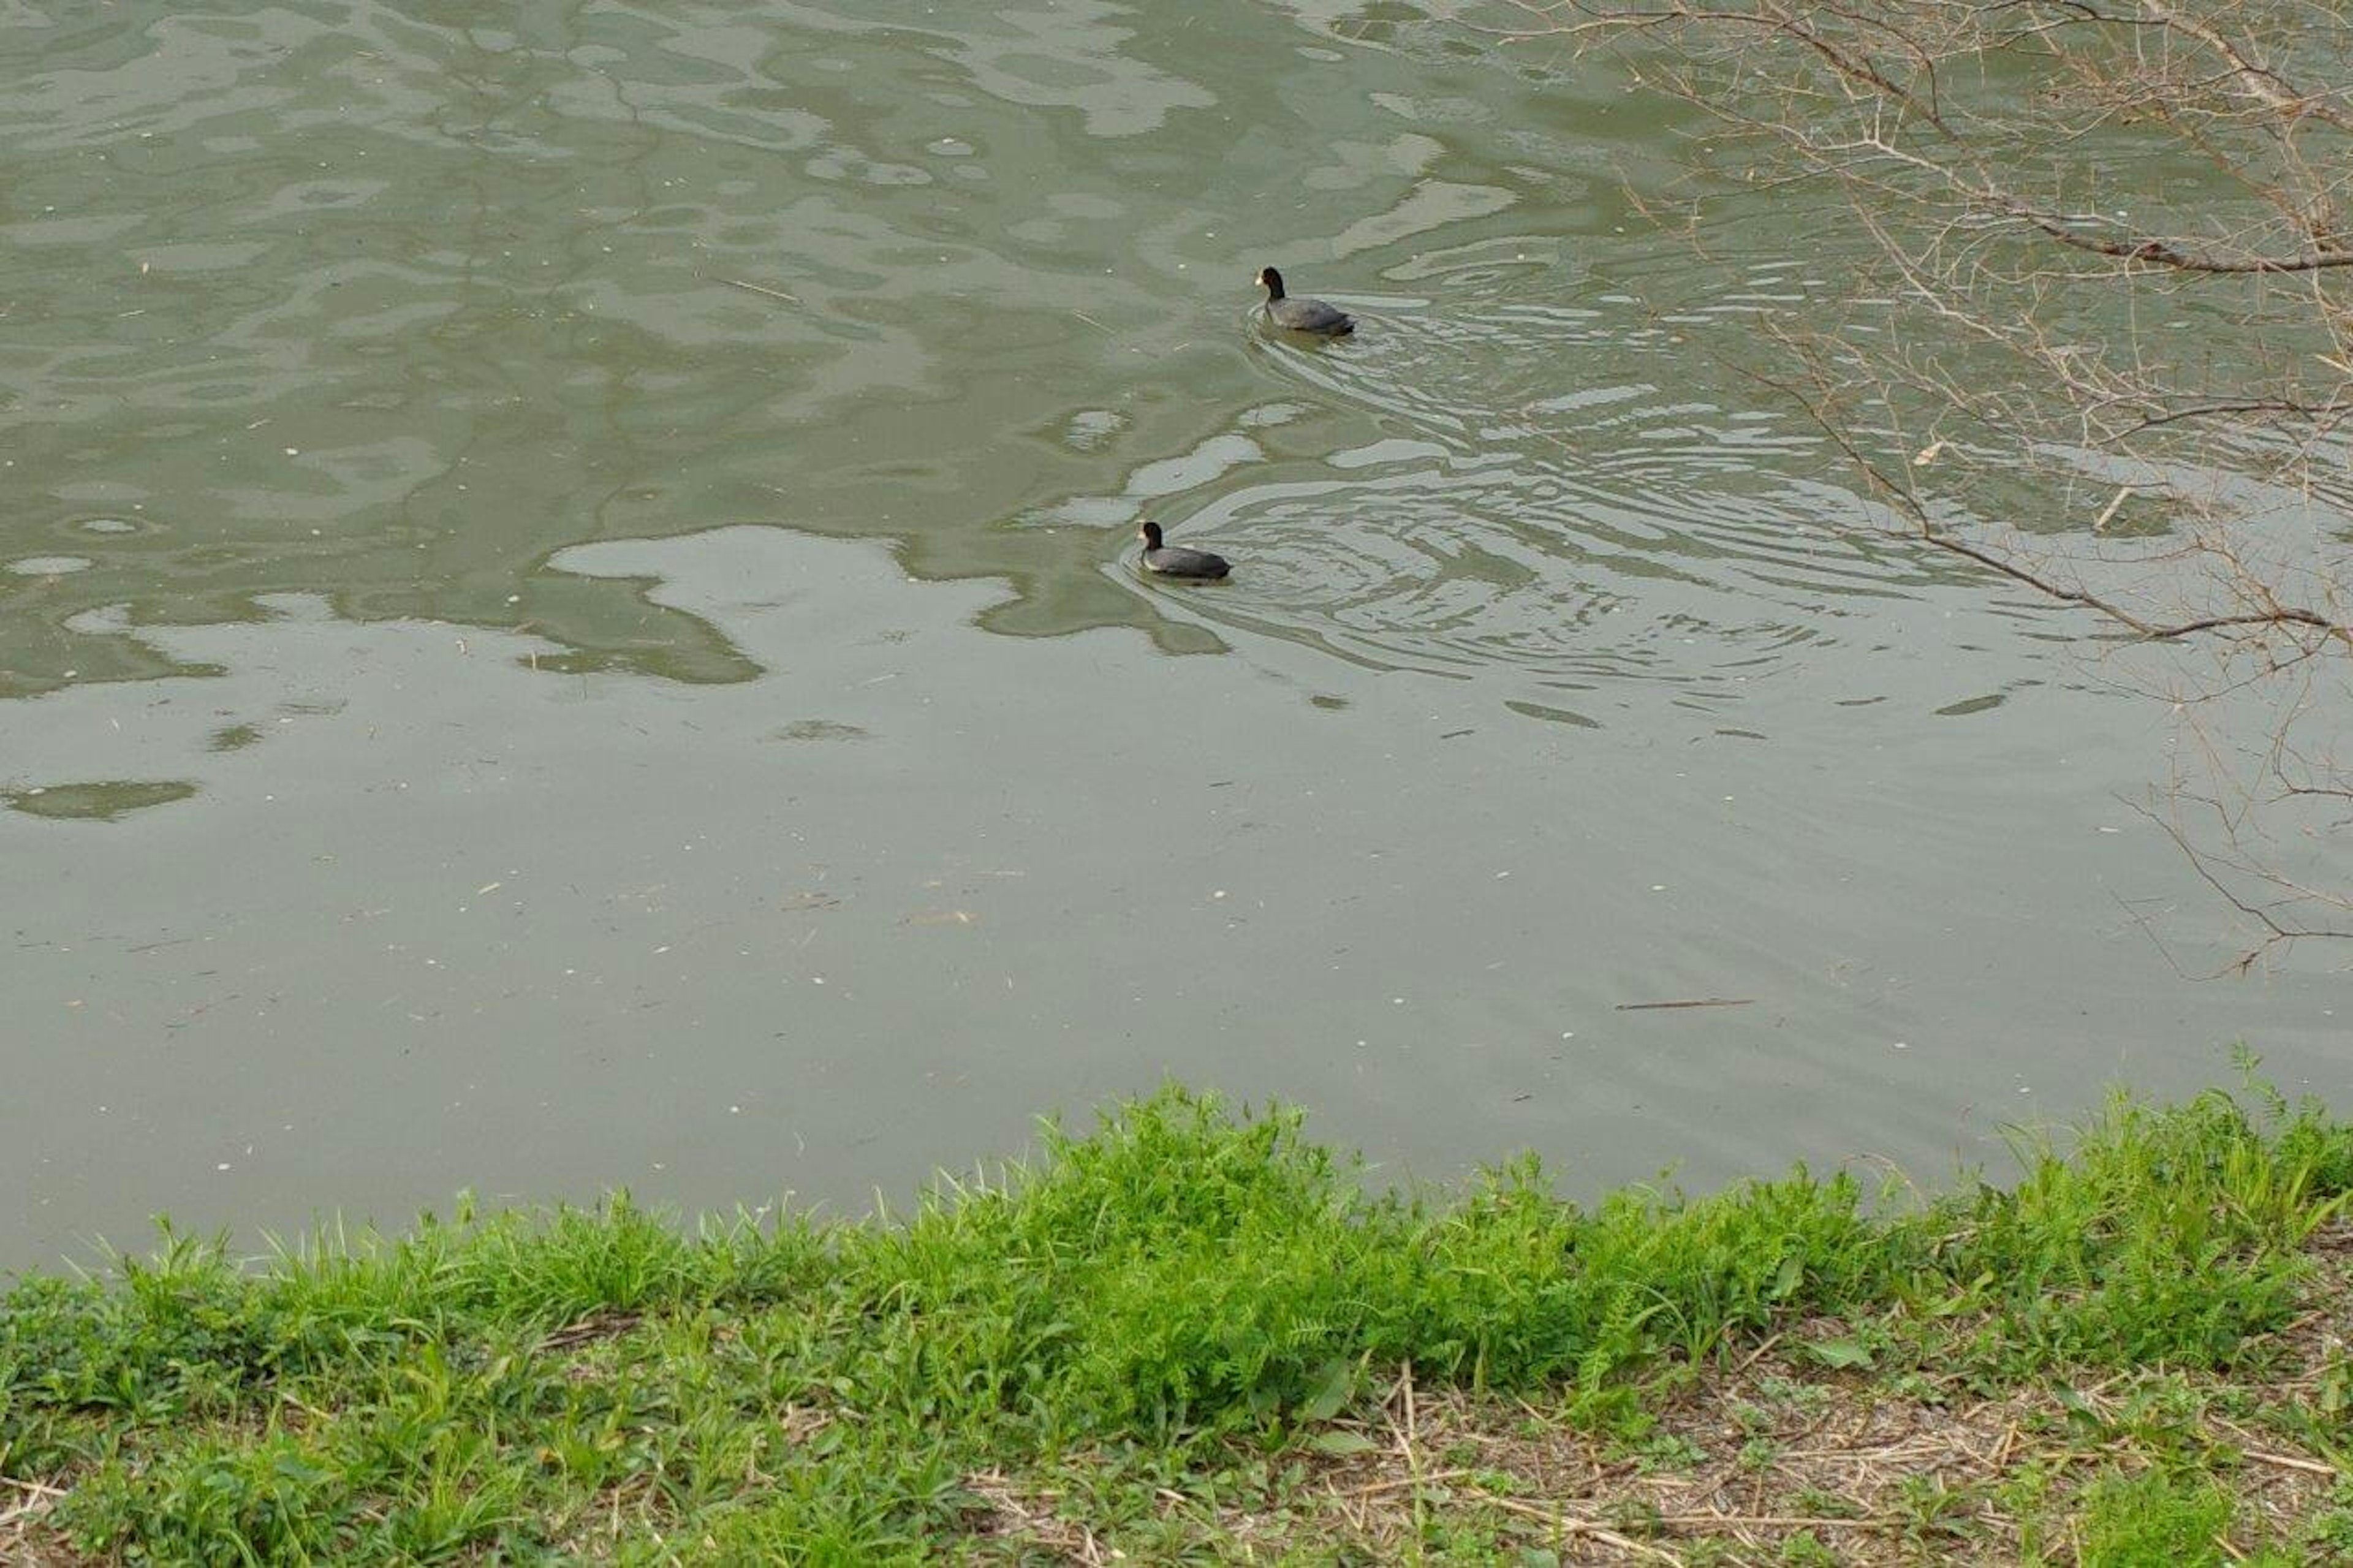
(1553,500)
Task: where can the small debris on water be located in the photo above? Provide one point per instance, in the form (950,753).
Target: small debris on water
(1694,1001)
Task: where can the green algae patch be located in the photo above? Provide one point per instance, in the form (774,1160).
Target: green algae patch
(107,801)
(233,738)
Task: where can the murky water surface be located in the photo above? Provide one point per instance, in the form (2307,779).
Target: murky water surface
(564,622)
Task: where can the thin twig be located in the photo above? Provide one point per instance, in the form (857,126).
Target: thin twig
(1570,1524)
(1695,1002)
(1395,1482)
(759,288)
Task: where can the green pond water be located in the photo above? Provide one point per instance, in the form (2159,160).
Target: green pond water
(565,621)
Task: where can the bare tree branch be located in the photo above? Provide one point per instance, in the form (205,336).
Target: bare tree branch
(2089,328)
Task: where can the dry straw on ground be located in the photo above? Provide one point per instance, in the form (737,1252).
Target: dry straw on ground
(1770,1448)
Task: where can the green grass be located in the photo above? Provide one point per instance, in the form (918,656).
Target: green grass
(1183,1303)
(2153,1517)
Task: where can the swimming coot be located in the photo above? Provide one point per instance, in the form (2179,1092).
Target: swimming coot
(1175,559)
(1302,315)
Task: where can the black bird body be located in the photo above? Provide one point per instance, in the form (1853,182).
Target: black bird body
(1302,315)
(1175,559)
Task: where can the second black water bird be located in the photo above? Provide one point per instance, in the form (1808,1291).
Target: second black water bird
(1175,559)
(1302,315)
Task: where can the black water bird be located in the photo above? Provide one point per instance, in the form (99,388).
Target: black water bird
(1175,559)
(1302,315)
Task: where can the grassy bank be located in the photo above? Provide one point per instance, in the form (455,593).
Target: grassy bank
(1193,1334)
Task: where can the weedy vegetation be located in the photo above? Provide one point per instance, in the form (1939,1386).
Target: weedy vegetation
(1194,1333)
